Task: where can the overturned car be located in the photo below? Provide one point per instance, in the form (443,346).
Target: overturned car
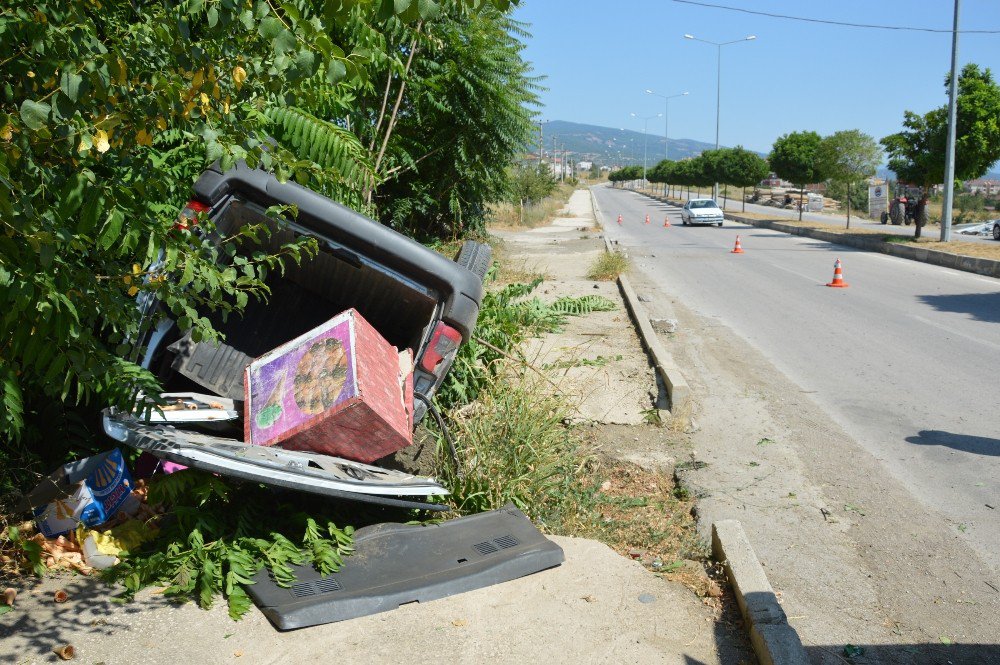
(416,299)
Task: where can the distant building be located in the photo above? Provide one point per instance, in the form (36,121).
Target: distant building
(983,186)
(774,181)
(584,166)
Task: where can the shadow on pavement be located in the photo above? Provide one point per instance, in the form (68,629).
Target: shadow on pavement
(982,306)
(906,654)
(978,445)
(38,624)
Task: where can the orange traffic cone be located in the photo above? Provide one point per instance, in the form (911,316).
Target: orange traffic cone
(647,219)
(666,222)
(619,219)
(739,248)
(838,276)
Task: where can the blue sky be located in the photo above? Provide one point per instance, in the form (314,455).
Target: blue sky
(599,57)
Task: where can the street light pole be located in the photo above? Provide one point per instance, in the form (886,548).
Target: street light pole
(949,155)
(645,125)
(718,86)
(666,119)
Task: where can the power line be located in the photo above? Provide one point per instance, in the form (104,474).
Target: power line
(840,23)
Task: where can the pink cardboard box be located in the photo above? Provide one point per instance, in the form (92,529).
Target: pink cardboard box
(340,389)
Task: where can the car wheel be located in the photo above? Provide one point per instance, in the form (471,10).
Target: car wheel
(996,231)
(475,257)
(719,225)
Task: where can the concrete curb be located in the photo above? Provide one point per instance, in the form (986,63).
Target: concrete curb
(673,379)
(774,641)
(874,243)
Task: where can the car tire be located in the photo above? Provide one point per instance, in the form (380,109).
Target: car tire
(884,217)
(475,257)
(996,231)
(719,225)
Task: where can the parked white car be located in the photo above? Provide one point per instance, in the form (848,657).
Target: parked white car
(702,211)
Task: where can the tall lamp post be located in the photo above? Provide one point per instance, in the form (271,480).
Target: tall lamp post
(666,119)
(645,123)
(718,86)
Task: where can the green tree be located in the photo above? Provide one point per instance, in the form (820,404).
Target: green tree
(625,174)
(837,191)
(847,157)
(682,173)
(741,168)
(659,173)
(917,154)
(795,157)
(444,113)
(530,184)
(107,113)
(703,170)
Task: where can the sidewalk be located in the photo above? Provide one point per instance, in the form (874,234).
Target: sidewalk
(598,607)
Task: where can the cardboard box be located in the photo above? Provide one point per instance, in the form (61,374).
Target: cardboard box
(340,389)
(90,491)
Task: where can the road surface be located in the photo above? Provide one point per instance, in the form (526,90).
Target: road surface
(906,360)
(735,206)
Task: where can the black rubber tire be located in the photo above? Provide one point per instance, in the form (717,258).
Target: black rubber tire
(884,218)
(719,225)
(475,257)
(996,231)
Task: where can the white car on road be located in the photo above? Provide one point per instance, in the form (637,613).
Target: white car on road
(701,211)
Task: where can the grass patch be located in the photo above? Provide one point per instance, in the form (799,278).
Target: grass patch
(514,447)
(514,216)
(608,267)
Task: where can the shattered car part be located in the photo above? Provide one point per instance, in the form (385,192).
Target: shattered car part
(307,472)
(395,564)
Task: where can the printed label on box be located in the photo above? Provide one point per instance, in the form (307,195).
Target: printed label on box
(296,386)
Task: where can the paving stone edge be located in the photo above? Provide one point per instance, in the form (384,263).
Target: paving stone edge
(774,641)
(670,373)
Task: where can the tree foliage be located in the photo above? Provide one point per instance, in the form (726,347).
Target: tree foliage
(847,157)
(445,108)
(917,153)
(530,184)
(795,157)
(741,168)
(109,111)
(625,174)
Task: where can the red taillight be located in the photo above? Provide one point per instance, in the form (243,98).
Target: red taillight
(189,215)
(444,341)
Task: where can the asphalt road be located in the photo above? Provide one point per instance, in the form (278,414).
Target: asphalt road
(906,360)
(735,206)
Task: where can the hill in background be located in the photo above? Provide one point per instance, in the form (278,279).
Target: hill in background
(611,146)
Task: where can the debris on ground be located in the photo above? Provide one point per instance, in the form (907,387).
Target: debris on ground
(88,491)
(65,652)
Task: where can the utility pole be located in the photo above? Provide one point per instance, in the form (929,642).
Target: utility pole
(645,126)
(949,156)
(541,143)
(718,86)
